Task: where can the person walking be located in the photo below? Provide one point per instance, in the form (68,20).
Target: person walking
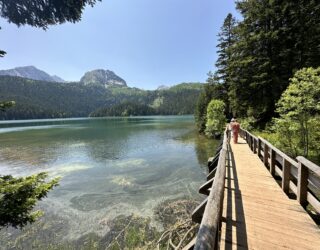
(235,130)
(230,132)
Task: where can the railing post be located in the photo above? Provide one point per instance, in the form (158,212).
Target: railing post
(302,186)
(259,147)
(254,146)
(285,175)
(265,154)
(272,161)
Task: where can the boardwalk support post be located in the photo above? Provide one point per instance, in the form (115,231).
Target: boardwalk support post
(259,147)
(265,154)
(302,187)
(285,175)
(272,161)
(254,146)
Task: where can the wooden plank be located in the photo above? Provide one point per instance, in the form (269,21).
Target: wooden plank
(219,148)
(190,245)
(314,202)
(264,238)
(197,213)
(213,164)
(212,174)
(278,171)
(204,189)
(293,188)
(212,159)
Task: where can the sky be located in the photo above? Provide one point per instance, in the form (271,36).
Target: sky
(147,43)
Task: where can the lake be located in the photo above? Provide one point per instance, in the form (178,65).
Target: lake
(109,167)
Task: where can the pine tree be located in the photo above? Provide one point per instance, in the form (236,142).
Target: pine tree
(223,73)
(217,85)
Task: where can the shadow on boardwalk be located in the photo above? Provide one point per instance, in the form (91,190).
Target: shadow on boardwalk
(235,224)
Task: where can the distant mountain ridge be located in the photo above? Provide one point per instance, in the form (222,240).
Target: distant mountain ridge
(31,72)
(98,77)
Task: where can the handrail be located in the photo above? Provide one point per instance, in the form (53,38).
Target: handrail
(280,153)
(310,165)
(301,177)
(208,234)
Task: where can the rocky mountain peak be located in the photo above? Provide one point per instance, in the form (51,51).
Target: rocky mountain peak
(103,78)
(163,87)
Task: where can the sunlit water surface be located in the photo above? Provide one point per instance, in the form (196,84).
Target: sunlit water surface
(109,167)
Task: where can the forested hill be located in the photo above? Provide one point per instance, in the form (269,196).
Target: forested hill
(39,99)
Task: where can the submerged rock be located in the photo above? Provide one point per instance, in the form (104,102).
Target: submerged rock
(125,232)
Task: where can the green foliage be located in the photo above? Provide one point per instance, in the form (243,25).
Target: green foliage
(302,98)
(248,123)
(215,118)
(5,105)
(18,197)
(2,53)
(299,110)
(43,13)
(212,90)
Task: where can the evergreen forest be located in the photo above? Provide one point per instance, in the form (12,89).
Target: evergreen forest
(37,99)
(271,46)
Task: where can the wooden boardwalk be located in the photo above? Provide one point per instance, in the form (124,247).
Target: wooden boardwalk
(257,214)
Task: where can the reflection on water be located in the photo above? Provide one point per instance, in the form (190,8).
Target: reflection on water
(109,167)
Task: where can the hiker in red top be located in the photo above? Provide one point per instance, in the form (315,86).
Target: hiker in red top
(235,129)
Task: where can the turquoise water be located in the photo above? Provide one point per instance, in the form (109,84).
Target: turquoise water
(109,167)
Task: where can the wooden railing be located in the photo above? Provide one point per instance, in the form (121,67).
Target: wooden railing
(209,212)
(300,177)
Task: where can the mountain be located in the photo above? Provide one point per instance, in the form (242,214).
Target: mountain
(40,99)
(31,72)
(101,77)
(162,87)
(57,79)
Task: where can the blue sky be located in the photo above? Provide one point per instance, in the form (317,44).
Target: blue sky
(146,42)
